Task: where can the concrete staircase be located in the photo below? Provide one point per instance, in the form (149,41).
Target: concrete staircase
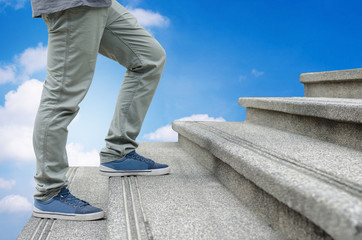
(292,170)
(295,161)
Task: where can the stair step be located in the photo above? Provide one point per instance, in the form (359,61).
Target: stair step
(329,119)
(319,180)
(335,84)
(345,110)
(85,183)
(190,203)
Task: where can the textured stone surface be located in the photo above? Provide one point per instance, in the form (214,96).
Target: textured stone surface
(351,89)
(191,203)
(126,218)
(346,134)
(321,181)
(116,221)
(336,84)
(332,76)
(348,110)
(278,215)
(30,230)
(86,184)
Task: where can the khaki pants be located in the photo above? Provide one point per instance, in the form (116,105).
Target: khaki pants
(76,36)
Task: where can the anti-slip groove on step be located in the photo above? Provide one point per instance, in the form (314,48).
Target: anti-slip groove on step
(45,225)
(84,183)
(130,208)
(145,220)
(43,229)
(351,188)
(331,201)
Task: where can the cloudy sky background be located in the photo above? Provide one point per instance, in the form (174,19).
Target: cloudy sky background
(217,52)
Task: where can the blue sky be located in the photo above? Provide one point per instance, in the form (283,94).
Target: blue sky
(217,51)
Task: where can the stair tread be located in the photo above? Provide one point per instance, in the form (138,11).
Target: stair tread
(321,180)
(339,162)
(87,184)
(341,109)
(190,203)
(332,76)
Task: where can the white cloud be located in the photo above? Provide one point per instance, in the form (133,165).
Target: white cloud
(256,73)
(7,184)
(15,203)
(17,4)
(17,120)
(166,134)
(34,59)
(201,117)
(21,105)
(16,128)
(147,18)
(77,157)
(7,74)
(16,144)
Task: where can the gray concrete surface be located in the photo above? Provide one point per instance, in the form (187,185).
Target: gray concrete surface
(346,134)
(191,203)
(126,217)
(333,84)
(278,215)
(351,89)
(87,184)
(322,181)
(332,76)
(345,110)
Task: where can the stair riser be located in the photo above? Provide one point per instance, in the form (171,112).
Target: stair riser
(279,216)
(334,89)
(316,196)
(341,133)
(335,84)
(342,110)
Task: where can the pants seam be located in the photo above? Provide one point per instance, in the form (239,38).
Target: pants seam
(124,42)
(122,129)
(56,102)
(129,105)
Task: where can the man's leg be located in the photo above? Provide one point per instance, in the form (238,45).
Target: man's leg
(74,37)
(126,42)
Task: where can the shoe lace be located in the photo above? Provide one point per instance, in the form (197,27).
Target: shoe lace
(136,156)
(67,197)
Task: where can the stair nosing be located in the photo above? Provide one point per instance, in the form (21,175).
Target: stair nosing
(344,213)
(322,175)
(350,75)
(328,108)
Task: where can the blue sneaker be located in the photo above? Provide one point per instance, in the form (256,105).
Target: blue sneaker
(133,164)
(66,206)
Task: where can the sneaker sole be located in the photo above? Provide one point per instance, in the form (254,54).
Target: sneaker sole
(117,173)
(67,216)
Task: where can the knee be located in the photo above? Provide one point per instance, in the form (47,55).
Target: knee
(162,55)
(153,61)
(157,59)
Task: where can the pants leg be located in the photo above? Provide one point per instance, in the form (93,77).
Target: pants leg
(126,42)
(73,45)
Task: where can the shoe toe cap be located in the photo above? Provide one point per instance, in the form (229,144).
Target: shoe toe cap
(159,165)
(88,209)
